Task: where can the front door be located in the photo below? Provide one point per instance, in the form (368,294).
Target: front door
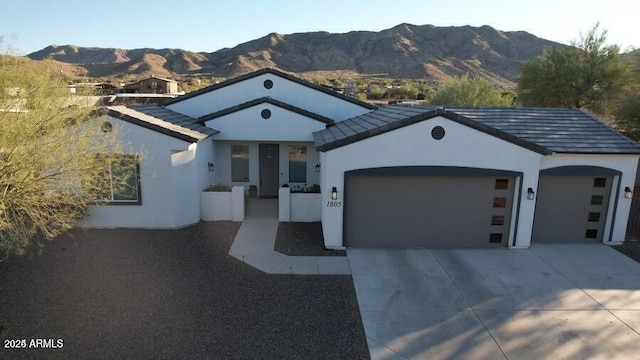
(269,170)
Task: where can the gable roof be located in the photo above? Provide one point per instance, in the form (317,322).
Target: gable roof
(273,72)
(153,78)
(267,100)
(163,120)
(543,130)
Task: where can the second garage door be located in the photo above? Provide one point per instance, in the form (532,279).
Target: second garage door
(571,208)
(389,211)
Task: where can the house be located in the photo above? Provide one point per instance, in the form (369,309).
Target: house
(395,177)
(152,85)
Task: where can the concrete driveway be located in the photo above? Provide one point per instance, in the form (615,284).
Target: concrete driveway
(551,301)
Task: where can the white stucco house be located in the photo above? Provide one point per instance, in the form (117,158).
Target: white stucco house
(395,177)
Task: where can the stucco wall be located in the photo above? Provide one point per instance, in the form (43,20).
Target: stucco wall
(167,178)
(627,164)
(248,125)
(284,90)
(414,146)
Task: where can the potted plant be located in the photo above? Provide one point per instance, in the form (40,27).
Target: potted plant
(253,191)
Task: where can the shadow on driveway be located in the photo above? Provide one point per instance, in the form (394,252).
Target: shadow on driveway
(141,294)
(550,301)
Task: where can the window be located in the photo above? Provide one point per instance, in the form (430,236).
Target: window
(499,202)
(596,199)
(497,220)
(122,172)
(297,163)
(495,238)
(591,234)
(594,217)
(502,184)
(240,163)
(599,182)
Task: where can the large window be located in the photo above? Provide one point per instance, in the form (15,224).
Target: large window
(122,172)
(240,163)
(297,163)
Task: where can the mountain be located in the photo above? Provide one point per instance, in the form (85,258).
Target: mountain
(404,51)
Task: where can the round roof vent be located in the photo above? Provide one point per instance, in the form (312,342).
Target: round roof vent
(268,84)
(437,132)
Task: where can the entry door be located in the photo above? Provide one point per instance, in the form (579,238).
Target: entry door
(269,170)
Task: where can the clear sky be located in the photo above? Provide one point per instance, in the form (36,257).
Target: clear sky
(209,25)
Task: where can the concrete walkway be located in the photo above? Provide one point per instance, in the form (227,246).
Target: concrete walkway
(256,238)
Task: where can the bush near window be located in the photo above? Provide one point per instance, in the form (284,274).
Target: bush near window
(218,188)
(49,173)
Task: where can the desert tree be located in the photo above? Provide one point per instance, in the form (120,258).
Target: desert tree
(468,91)
(49,168)
(588,73)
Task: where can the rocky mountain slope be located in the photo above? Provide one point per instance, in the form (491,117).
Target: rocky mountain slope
(404,51)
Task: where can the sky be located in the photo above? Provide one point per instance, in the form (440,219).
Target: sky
(209,25)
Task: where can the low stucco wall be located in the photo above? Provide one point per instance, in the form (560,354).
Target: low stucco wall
(299,207)
(215,206)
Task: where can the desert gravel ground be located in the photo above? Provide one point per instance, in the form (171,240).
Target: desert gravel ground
(170,294)
(631,248)
(303,239)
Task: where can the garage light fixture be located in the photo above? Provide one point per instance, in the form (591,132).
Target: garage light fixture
(334,193)
(530,194)
(318,167)
(628,193)
(210,166)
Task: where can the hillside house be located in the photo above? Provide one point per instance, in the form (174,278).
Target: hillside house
(393,177)
(152,85)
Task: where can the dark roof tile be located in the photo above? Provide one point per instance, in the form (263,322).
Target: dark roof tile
(544,130)
(163,120)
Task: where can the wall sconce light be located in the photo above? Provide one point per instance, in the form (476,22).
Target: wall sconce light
(210,165)
(530,194)
(334,193)
(628,193)
(318,167)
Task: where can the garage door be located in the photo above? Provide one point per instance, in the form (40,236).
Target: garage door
(427,211)
(571,208)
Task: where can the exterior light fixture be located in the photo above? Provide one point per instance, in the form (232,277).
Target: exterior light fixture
(334,193)
(318,167)
(628,193)
(210,165)
(530,194)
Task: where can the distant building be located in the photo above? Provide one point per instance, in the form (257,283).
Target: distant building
(152,85)
(91,88)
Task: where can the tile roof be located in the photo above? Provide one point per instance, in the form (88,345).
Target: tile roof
(274,72)
(267,100)
(163,120)
(543,130)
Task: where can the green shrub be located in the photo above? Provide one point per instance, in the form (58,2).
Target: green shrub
(218,188)
(315,188)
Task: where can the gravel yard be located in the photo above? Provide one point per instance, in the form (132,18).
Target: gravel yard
(303,239)
(631,248)
(159,294)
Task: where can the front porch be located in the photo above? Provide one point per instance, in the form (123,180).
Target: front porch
(255,241)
